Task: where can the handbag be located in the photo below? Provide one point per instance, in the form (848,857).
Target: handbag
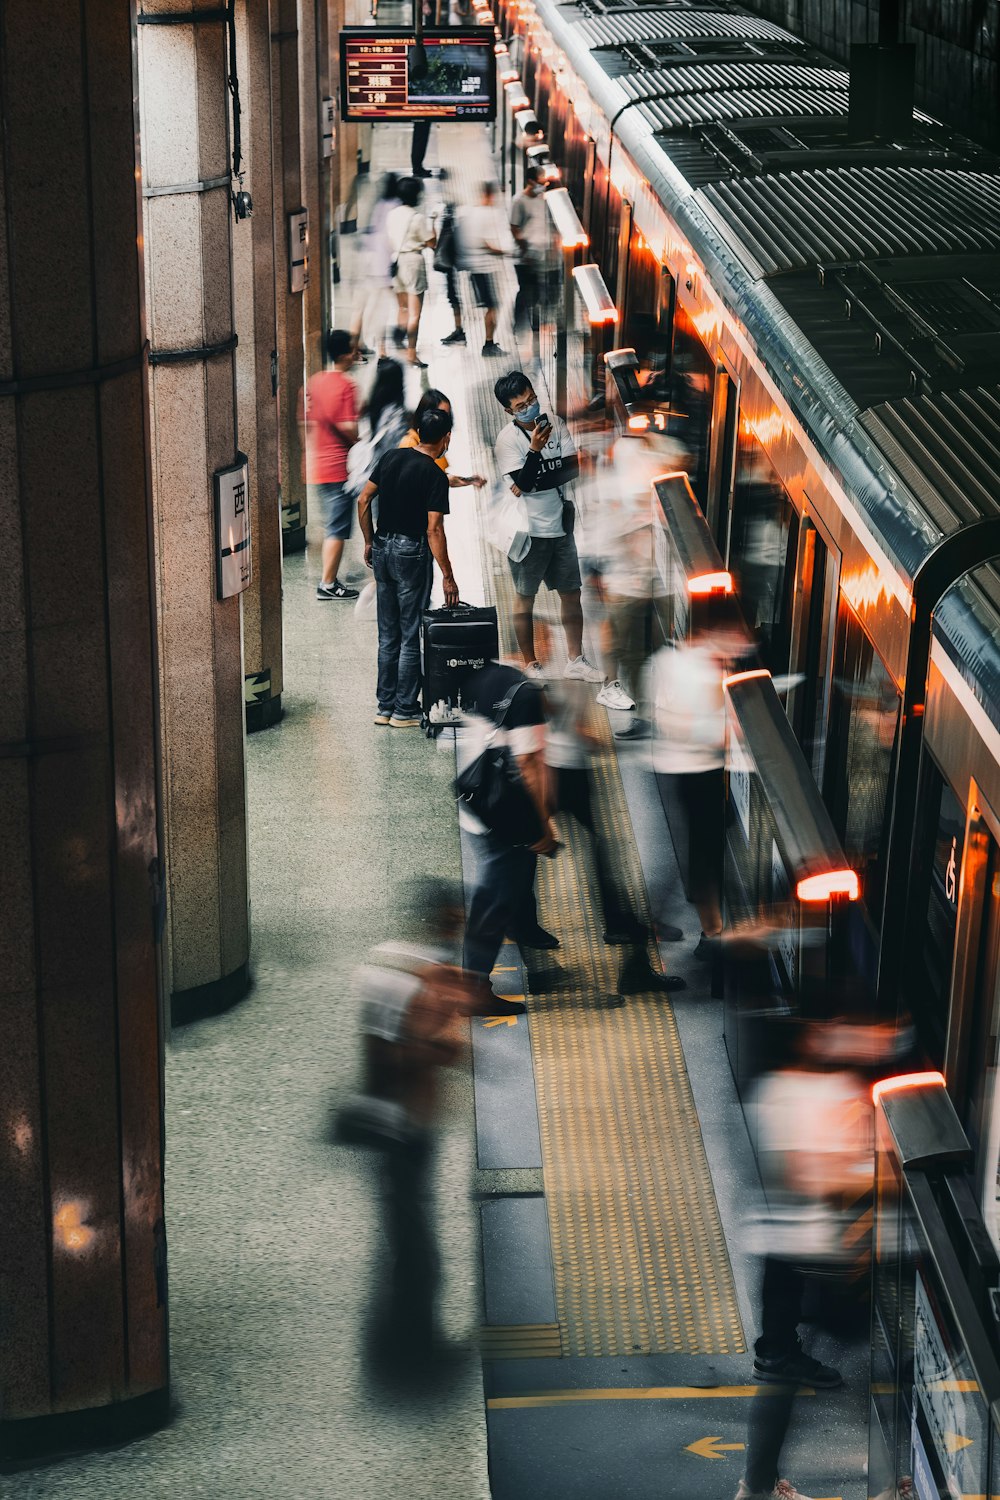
(508,525)
(493,788)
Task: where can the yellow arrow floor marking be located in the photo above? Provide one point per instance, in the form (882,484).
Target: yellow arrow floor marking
(955,1442)
(713,1447)
(501,1021)
(638,1393)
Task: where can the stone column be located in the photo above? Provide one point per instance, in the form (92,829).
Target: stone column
(288,196)
(83,1348)
(256,370)
(184,105)
(310,130)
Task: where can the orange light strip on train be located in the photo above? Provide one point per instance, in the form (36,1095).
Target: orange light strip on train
(831,883)
(904,1081)
(711,583)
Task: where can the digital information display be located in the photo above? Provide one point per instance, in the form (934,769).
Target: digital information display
(381,77)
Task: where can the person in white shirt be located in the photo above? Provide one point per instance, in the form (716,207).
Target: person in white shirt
(485,243)
(409,233)
(530,226)
(536,457)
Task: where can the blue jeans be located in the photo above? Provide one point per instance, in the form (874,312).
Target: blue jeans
(401,565)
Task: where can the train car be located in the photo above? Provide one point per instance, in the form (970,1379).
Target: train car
(820,315)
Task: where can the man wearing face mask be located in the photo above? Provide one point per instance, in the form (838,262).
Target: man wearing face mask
(535,457)
(529,226)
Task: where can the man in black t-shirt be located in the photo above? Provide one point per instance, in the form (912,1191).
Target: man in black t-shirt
(503,902)
(412,504)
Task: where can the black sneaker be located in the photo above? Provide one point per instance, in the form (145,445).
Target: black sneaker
(537,938)
(498,1005)
(458,337)
(707,949)
(635,729)
(797,1368)
(335,590)
(623,931)
(640,978)
(491,348)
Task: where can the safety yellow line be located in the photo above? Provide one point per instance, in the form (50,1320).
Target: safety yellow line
(638,1393)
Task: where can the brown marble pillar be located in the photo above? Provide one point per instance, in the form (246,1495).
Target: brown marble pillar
(83,1318)
(256,371)
(184,106)
(288,198)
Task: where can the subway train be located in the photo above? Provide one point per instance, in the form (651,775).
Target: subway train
(812,293)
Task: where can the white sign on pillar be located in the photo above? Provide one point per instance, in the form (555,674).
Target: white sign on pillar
(298,250)
(328,116)
(232,528)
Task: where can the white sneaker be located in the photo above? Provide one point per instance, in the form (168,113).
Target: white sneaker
(613,695)
(583,670)
(783,1490)
(535,673)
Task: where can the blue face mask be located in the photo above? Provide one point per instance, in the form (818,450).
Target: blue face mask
(530,413)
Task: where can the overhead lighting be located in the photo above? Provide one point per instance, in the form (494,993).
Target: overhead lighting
(638,423)
(904,1081)
(509,75)
(831,883)
(500,50)
(571,232)
(711,583)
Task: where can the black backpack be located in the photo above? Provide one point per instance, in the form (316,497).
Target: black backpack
(447,255)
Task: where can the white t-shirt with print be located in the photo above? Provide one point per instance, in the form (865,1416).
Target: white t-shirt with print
(544,506)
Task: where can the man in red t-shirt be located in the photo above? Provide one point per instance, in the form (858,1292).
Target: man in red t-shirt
(331,410)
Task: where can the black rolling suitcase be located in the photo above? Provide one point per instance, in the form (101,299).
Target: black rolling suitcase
(457,641)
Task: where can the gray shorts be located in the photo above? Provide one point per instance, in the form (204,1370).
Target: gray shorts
(337,508)
(551,560)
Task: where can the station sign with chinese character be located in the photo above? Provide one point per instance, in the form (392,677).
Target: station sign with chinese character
(387,73)
(232,528)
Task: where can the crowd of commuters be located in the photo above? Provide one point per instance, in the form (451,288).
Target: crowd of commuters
(540,712)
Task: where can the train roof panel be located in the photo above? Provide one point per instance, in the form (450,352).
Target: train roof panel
(684,26)
(813,218)
(967,625)
(711,78)
(945,447)
(699,109)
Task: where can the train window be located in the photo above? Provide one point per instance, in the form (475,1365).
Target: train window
(764,539)
(861,754)
(692,377)
(937,877)
(809,702)
(641,328)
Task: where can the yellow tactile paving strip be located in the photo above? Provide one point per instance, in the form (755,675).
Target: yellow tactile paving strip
(639,1255)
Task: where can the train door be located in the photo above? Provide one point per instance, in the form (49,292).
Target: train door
(964,921)
(763,547)
(814,612)
(722,451)
(623,255)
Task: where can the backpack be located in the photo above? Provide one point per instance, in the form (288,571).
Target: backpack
(447,252)
(366,452)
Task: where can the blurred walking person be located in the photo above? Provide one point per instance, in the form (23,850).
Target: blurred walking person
(815,1153)
(410,233)
(331,429)
(689,751)
(529,224)
(485,245)
(414,1001)
(374,296)
(504,706)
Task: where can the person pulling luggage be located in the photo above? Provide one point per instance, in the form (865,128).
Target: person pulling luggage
(412,504)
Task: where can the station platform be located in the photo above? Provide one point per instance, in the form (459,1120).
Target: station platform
(594,1163)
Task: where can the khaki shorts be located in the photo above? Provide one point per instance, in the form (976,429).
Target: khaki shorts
(411,273)
(551,560)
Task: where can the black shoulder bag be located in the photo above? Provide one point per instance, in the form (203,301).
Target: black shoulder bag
(493,788)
